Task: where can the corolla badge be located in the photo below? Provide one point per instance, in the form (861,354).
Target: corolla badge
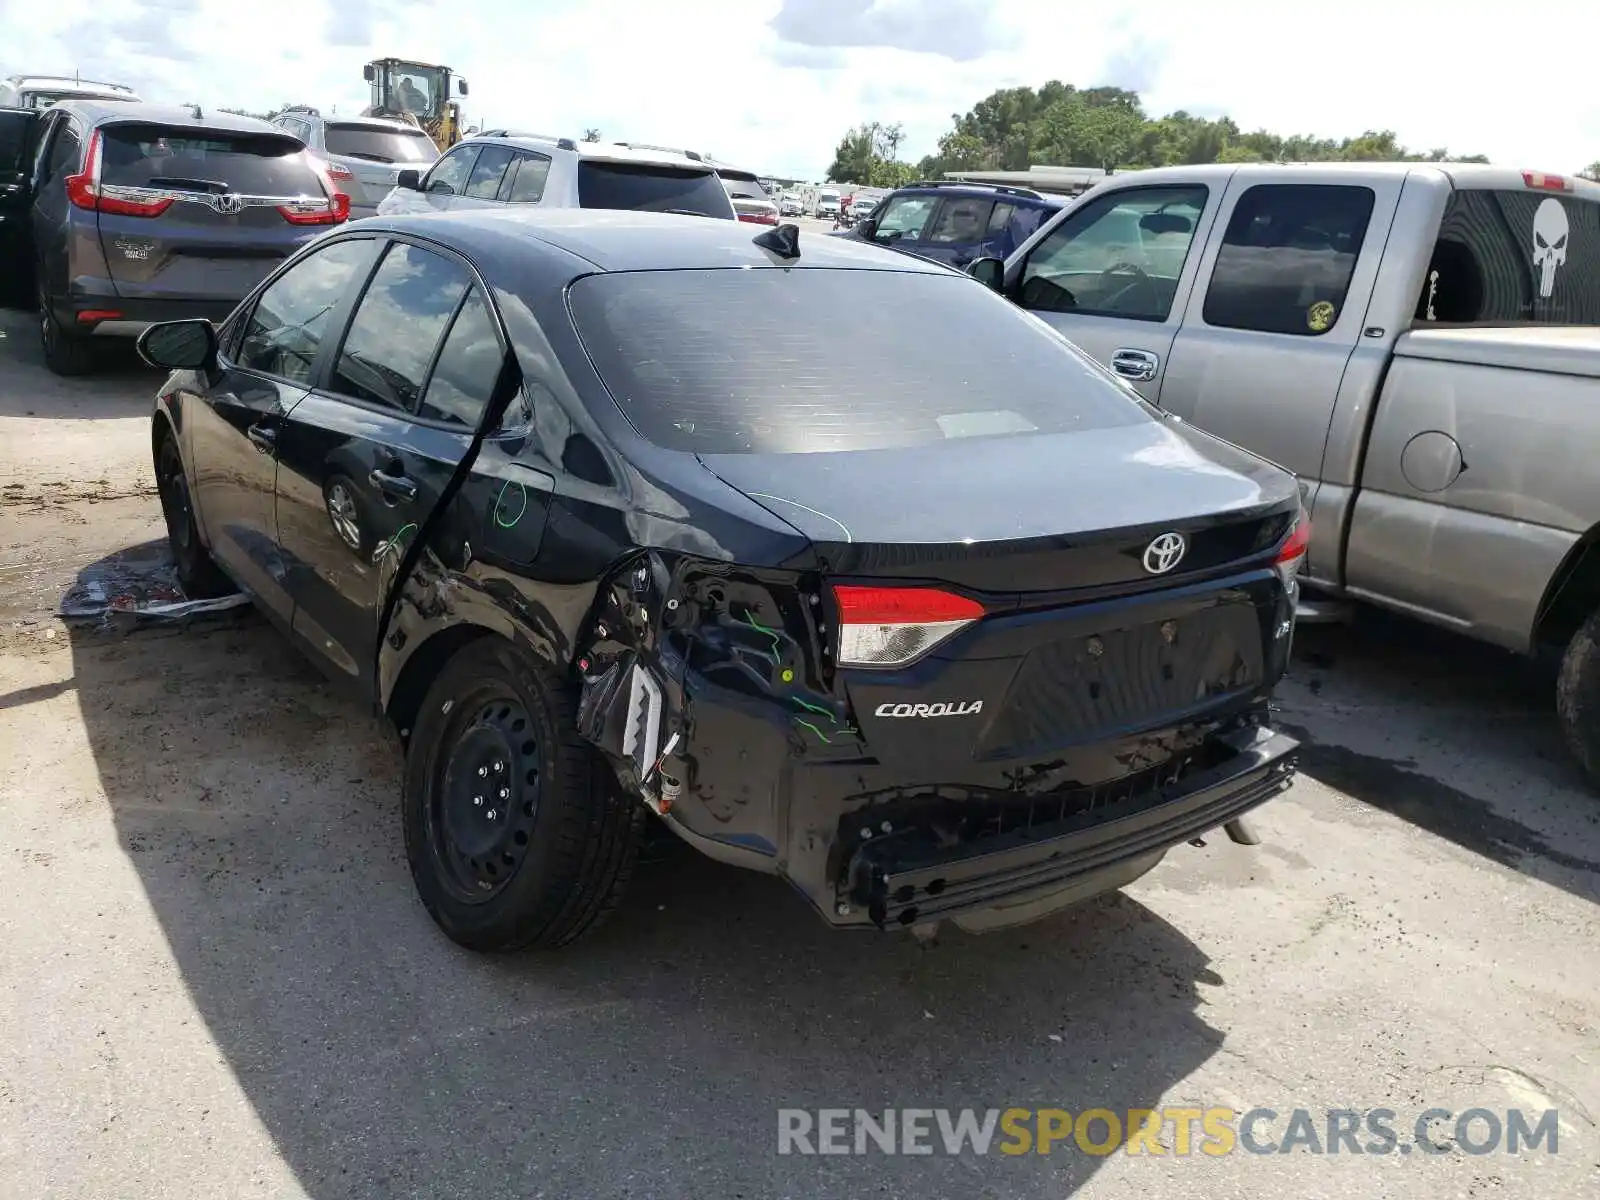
(1166,552)
(955,708)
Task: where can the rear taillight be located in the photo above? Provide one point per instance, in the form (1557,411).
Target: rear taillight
(340,173)
(85,190)
(1292,554)
(1539,181)
(892,626)
(758,218)
(334,209)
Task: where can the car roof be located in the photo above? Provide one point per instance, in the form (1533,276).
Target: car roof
(62,82)
(1461,175)
(598,151)
(626,240)
(985,190)
(138,112)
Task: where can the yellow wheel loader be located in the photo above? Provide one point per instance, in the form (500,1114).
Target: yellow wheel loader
(421,93)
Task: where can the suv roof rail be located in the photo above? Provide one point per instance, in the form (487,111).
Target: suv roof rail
(564,143)
(692,154)
(1003,188)
(300,108)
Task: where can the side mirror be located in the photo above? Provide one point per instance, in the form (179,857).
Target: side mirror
(369,72)
(867,227)
(991,272)
(461,87)
(179,345)
(409,178)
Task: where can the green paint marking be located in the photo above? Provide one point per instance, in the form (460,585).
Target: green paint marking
(771,633)
(816,708)
(813,729)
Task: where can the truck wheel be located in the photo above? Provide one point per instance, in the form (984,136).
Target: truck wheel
(197,572)
(516,830)
(1578,698)
(65,353)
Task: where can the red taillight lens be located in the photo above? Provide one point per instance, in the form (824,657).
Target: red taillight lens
(1542,182)
(891,626)
(339,173)
(84,190)
(1293,551)
(758,218)
(332,211)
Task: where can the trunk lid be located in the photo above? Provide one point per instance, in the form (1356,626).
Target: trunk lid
(223,230)
(1041,514)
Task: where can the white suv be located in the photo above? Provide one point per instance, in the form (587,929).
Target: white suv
(503,167)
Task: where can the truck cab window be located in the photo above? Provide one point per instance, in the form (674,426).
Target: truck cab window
(1119,255)
(1287,257)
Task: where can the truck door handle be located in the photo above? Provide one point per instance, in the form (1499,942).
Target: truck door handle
(395,487)
(263,437)
(1137,365)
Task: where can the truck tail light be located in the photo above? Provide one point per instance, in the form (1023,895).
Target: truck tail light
(1539,181)
(1292,554)
(892,626)
(85,190)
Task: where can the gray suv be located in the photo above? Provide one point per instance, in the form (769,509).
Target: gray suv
(132,213)
(364,155)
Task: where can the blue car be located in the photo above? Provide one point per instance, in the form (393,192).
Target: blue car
(954,223)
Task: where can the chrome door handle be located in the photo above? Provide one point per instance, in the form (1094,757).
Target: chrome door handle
(1138,365)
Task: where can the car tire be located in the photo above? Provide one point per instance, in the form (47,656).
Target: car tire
(65,353)
(516,831)
(198,572)
(1578,698)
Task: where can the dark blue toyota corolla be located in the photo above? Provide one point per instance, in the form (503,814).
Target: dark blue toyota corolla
(612,516)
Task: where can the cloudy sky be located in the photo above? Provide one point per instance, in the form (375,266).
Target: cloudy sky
(774,83)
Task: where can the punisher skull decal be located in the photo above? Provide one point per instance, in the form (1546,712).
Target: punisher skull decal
(1549,243)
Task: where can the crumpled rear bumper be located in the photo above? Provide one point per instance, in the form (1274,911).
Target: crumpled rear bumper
(886,886)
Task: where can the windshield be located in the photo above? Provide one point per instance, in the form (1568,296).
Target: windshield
(381,145)
(251,164)
(649,187)
(757,361)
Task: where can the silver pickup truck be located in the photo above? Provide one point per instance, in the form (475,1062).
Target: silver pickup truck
(1418,343)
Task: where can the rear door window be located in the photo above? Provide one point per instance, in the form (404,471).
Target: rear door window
(758,361)
(526,179)
(469,363)
(961,221)
(1508,257)
(649,187)
(284,333)
(65,150)
(487,172)
(1286,259)
(397,327)
(379,145)
(251,164)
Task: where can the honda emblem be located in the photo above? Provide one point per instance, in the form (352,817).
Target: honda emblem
(229,205)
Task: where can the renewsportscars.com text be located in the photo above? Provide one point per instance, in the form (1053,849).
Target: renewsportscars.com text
(1164,1131)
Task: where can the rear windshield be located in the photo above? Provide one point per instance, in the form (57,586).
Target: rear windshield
(201,160)
(651,188)
(760,361)
(380,145)
(1514,257)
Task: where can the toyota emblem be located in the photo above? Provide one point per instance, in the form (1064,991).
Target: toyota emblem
(1166,552)
(228,205)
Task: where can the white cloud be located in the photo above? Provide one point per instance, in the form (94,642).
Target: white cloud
(774,83)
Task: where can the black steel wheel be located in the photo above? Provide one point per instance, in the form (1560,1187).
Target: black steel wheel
(516,831)
(65,352)
(481,818)
(199,575)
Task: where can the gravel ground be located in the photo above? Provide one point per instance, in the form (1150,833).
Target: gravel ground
(217,981)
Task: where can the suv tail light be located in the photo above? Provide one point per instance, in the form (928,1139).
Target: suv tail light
(892,626)
(339,173)
(86,191)
(1292,554)
(334,209)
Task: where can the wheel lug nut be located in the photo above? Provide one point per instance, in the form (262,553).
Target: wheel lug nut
(483,771)
(492,814)
(477,799)
(505,793)
(498,766)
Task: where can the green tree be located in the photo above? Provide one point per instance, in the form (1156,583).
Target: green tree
(591,135)
(1592,171)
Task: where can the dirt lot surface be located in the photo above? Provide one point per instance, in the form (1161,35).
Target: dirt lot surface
(216,981)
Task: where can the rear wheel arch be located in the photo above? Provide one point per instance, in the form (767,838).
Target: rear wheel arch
(1572,596)
(421,666)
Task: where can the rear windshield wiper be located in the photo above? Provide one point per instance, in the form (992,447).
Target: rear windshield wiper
(687,212)
(197,185)
(377,158)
